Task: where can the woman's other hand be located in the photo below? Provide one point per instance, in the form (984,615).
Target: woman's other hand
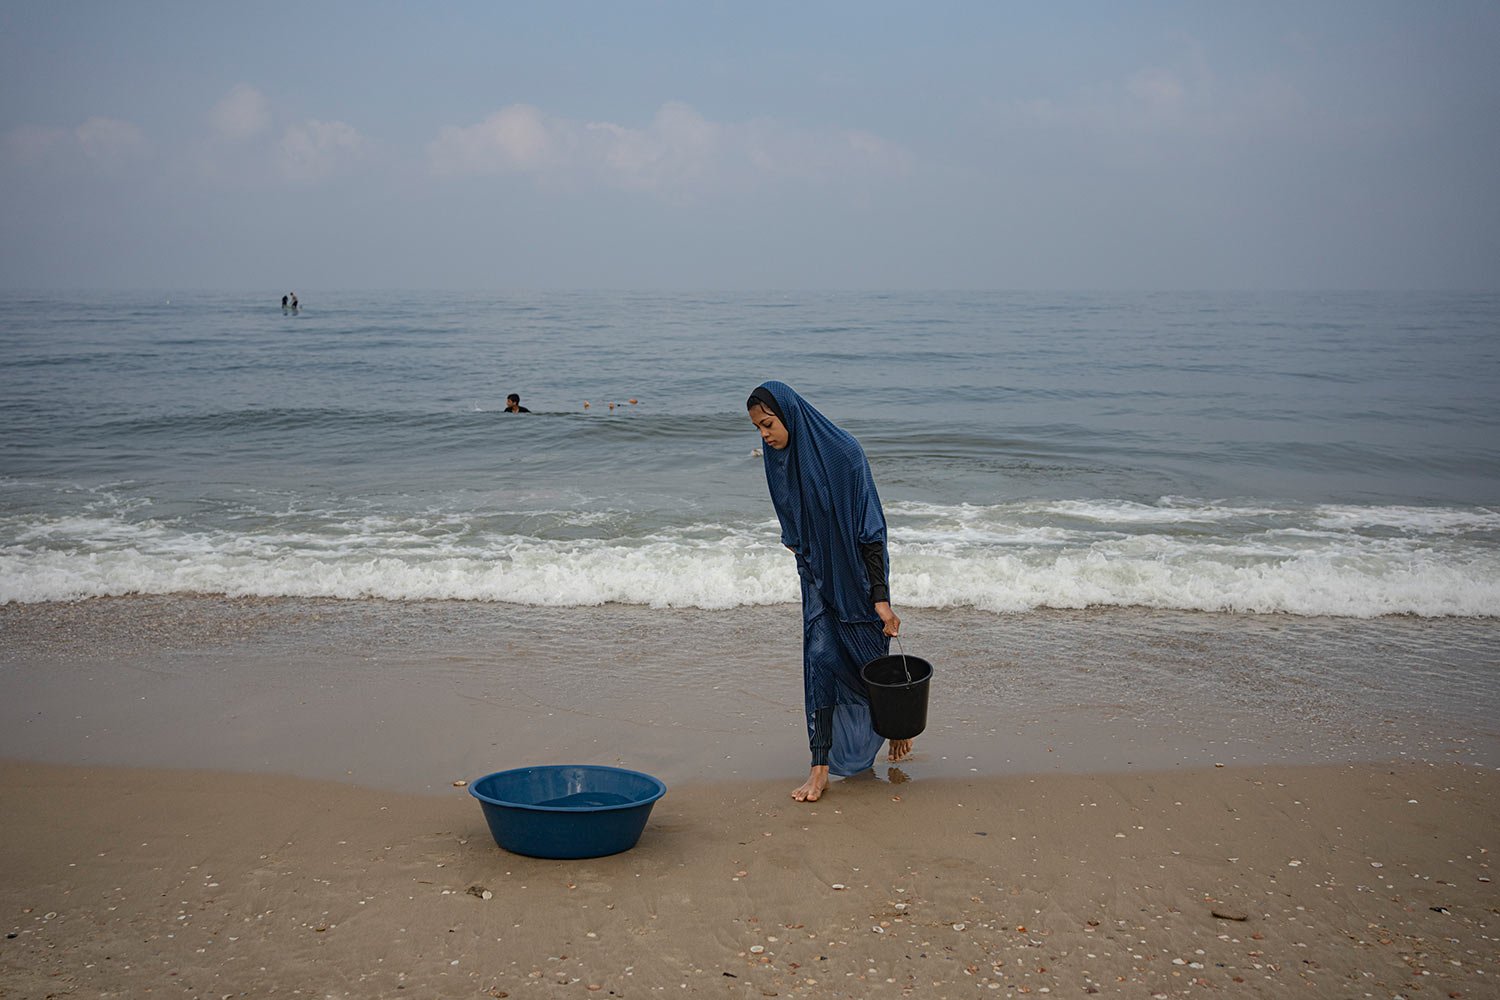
(892,623)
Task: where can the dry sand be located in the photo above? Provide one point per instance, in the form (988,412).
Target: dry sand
(1321,882)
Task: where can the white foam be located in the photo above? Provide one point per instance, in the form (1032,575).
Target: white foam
(1170,510)
(1345,561)
(1418,519)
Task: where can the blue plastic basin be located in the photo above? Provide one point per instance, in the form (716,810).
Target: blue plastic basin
(567,810)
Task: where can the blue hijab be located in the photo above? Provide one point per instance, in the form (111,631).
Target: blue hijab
(825,498)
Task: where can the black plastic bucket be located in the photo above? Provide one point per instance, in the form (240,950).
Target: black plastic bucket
(897,686)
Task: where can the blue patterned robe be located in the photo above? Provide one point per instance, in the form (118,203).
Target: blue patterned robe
(825,499)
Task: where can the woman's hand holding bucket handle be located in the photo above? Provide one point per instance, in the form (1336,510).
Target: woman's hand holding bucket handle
(892,623)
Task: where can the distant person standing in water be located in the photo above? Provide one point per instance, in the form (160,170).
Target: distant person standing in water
(831,519)
(294,300)
(513,404)
(283,301)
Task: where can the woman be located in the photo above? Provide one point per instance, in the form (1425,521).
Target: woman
(831,519)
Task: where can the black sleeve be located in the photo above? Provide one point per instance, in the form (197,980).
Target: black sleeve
(820,740)
(874,556)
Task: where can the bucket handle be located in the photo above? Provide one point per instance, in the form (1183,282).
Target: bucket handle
(904,666)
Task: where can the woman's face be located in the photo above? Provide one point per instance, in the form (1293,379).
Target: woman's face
(772,431)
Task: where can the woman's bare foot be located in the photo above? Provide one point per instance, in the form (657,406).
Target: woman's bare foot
(813,788)
(900,750)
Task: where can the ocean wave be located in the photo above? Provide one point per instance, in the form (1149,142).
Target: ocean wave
(1188,555)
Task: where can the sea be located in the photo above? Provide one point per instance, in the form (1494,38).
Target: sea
(1327,458)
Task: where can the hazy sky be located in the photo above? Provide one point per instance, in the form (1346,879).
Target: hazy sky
(867,145)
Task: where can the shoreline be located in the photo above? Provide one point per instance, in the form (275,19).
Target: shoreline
(1331,881)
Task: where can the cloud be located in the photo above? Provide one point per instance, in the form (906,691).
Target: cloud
(1151,100)
(1182,99)
(314,150)
(100,142)
(518,137)
(108,140)
(242,113)
(1157,93)
(305,153)
(678,153)
(30,143)
(680,148)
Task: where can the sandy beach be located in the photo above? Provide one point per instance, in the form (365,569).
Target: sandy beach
(1327,882)
(210,799)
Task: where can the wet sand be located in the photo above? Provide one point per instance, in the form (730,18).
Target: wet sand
(412,696)
(206,798)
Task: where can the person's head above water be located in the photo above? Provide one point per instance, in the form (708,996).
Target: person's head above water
(765,414)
